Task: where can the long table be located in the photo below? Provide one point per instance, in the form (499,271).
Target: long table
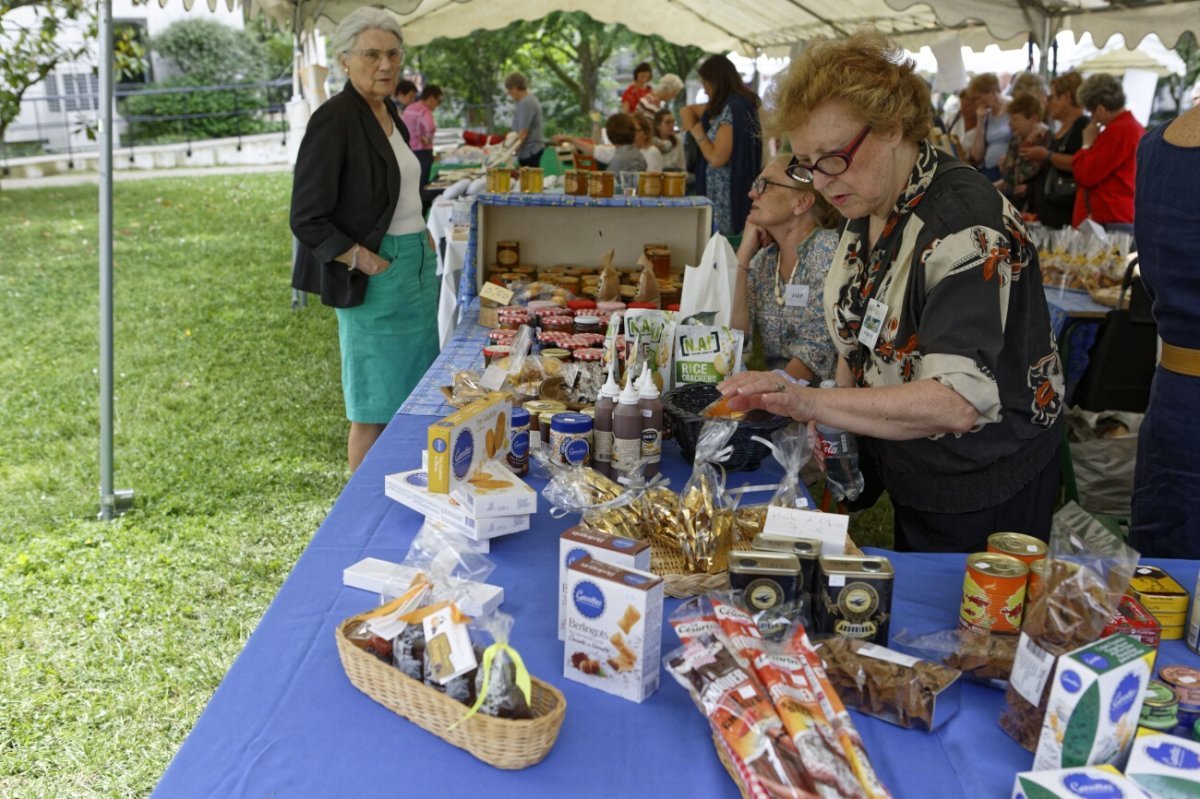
(286,722)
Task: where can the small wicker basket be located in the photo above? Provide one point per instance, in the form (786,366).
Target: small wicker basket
(681,409)
(503,743)
(668,564)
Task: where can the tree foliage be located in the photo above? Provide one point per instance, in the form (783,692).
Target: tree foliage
(1188,49)
(208,52)
(29,47)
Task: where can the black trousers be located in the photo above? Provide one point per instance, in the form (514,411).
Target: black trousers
(533,160)
(425,157)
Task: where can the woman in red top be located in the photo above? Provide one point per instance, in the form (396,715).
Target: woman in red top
(638,89)
(1105,167)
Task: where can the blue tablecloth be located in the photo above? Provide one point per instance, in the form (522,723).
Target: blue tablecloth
(286,722)
(1074,308)
(464,350)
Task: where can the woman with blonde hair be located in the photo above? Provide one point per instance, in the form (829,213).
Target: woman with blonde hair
(784,256)
(947,369)
(992,137)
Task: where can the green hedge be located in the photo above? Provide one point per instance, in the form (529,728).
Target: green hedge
(166,117)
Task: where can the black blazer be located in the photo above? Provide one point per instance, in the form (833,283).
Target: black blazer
(344,192)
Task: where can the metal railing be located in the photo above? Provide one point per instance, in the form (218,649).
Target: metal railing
(62,123)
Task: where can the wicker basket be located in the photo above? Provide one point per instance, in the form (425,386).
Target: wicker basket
(503,743)
(681,408)
(668,564)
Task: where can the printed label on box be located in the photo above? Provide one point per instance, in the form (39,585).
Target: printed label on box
(578,543)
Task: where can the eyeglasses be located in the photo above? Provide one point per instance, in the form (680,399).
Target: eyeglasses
(830,164)
(761,183)
(395,55)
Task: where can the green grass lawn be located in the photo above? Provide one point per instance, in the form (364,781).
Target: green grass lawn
(228,426)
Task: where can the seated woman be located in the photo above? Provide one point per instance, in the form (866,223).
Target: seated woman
(784,256)
(618,156)
(644,142)
(947,367)
(1016,171)
(668,142)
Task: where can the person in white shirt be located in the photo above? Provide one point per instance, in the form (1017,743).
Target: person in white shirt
(644,140)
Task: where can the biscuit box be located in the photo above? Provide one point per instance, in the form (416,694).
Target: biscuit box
(495,491)
(1076,783)
(1095,702)
(411,489)
(466,439)
(614,629)
(577,543)
(1167,766)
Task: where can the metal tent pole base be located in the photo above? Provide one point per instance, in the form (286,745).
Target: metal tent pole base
(116,505)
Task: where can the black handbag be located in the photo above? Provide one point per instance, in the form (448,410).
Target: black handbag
(1122,361)
(1059,185)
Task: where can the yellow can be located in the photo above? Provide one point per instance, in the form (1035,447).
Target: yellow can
(993,593)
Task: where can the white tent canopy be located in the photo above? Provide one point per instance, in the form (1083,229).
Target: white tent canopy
(772,27)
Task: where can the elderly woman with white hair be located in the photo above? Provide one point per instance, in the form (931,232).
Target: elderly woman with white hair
(356,212)
(668,88)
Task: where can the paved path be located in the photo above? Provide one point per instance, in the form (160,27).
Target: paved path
(82,178)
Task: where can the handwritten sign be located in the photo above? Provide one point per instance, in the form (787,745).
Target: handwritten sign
(828,528)
(497,294)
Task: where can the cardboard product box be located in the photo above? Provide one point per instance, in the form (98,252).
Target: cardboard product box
(462,442)
(614,629)
(495,491)
(1167,766)
(577,543)
(1133,619)
(411,490)
(1095,702)
(374,575)
(1075,783)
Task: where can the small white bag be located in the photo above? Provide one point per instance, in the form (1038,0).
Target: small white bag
(709,286)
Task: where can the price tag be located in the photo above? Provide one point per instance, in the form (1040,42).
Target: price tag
(796,296)
(493,378)
(890,655)
(497,294)
(448,646)
(828,528)
(872,323)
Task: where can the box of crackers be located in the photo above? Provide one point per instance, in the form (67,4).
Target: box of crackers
(614,629)
(462,442)
(494,491)
(577,543)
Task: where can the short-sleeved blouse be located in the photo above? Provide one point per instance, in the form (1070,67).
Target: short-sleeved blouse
(962,288)
(788,332)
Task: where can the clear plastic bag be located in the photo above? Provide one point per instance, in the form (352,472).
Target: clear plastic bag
(981,656)
(706,535)
(501,685)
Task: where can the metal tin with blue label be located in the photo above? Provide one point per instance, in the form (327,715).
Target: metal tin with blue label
(518,448)
(571,438)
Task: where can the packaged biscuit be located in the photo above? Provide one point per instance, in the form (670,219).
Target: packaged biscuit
(411,489)
(706,353)
(581,542)
(1165,765)
(1073,783)
(466,439)
(495,491)
(614,629)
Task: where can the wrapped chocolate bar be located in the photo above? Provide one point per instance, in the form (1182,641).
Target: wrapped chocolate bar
(604,505)
(1089,571)
(706,535)
(890,685)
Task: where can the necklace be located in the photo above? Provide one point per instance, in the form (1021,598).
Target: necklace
(779,300)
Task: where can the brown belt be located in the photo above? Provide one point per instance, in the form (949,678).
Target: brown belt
(1181,360)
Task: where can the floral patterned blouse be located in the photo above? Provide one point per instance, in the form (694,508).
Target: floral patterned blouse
(720,180)
(793,331)
(964,306)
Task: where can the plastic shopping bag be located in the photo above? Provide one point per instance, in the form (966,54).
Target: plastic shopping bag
(709,286)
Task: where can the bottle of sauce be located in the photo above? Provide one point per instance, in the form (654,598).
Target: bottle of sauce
(606,402)
(652,421)
(627,429)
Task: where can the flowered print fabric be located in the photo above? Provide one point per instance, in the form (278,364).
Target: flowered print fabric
(964,306)
(720,178)
(793,332)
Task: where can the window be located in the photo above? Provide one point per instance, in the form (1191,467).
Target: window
(80,92)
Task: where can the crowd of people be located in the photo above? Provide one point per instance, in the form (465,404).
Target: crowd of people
(866,256)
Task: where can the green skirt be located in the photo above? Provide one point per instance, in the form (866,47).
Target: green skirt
(389,341)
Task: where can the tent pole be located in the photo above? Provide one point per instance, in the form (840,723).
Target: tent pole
(112,502)
(107,498)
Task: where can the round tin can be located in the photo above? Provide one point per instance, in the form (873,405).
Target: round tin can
(571,438)
(673,184)
(518,441)
(532,179)
(1185,681)
(508,254)
(1024,548)
(1037,579)
(993,593)
(649,184)
(600,184)
(1159,706)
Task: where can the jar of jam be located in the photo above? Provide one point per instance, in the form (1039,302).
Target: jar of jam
(587,324)
(499,180)
(557,353)
(508,254)
(673,184)
(649,184)
(494,352)
(600,184)
(609,306)
(588,355)
(531,179)
(501,335)
(562,324)
(581,304)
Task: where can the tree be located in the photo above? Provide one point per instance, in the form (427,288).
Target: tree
(29,47)
(207,52)
(471,70)
(667,57)
(574,48)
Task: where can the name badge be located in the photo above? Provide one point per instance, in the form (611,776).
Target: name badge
(872,323)
(796,296)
